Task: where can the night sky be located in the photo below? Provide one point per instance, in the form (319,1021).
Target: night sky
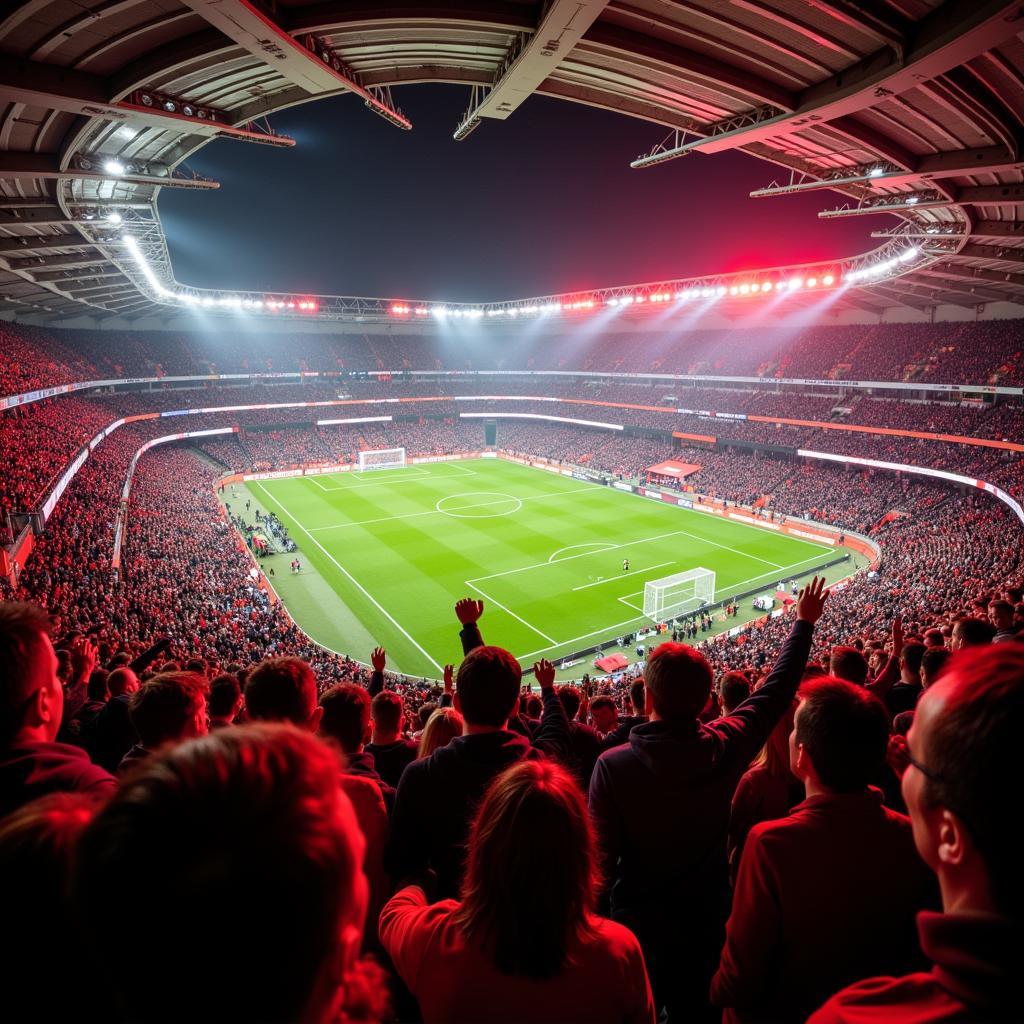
(544,202)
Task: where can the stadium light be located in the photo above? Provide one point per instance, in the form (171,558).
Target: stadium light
(114,167)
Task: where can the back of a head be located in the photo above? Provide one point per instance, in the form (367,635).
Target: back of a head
(441,728)
(934,663)
(570,698)
(281,690)
(524,900)
(197,665)
(346,716)
(243,836)
(679,679)
(487,686)
(973,632)
(225,693)
(534,707)
(122,681)
(96,689)
(848,663)
(387,711)
(734,689)
(637,695)
(933,637)
(971,751)
(23,628)
(845,731)
(168,707)
(913,652)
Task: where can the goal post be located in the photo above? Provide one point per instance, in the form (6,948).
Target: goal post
(381,458)
(679,594)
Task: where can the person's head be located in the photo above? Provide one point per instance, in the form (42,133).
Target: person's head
(534,706)
(31,694)
(570,698)
(122,682)
(970,632)
(638,696)
(444,725)
(840,736)
(345,718)
(1000,614)
(169,708)
(933,664)
(225,697)
(774,755)
(848,663)
(524,898)
(487,687)
(910,660)
(386,711)
(933,638)
(424,713)
(733,690)
(964,779)
(678,682)
(604,713)
(37,843)
(246,831)
(196,665)
(96,688)
(283,690)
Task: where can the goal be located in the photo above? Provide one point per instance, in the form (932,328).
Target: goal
(679,594)
(381,458)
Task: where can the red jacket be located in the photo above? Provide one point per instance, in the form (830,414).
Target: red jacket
(606,982)
(823,897)
(975,978)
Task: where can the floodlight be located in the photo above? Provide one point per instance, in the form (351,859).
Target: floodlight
(114,217)
(876,172)
(913,200)
(114,167)
(827,279)
(811,282)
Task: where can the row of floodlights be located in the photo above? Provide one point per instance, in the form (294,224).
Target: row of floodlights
(883,267)
(171,105)
(652,298)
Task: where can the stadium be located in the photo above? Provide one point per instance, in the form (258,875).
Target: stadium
(511,511)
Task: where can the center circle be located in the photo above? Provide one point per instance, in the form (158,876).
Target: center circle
(478,505)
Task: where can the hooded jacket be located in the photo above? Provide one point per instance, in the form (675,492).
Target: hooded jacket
(32,770)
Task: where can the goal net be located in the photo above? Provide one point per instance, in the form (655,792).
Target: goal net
(679,594)
(381,458)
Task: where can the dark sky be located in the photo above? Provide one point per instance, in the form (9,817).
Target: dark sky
(544,202)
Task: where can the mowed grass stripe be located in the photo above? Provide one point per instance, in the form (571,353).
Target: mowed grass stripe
(393,558)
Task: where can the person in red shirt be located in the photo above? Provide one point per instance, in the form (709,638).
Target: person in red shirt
(524,943)
(962,789)
(830,892)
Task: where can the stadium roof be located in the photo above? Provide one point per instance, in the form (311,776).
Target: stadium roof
(912,106)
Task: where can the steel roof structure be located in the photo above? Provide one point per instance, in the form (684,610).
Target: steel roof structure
(913,107)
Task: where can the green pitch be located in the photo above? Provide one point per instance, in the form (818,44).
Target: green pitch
(387,553)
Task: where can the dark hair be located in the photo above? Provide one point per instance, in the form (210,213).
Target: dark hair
(913,652)
(845,730)
(848,663)
(245,830)
(604,701)
(534,706)
(637,695)
(22,628)
(425,711)
(679,680)
(225,691)
(734,689)
(974,632)
(197,665)
(523,900)
(487,685)
(281,690)
(346,715)
(386,709)
(570,698)
(934,662)
(96,689)
(971,752)
(162,708)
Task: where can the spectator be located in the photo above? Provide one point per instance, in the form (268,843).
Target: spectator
(226,700)
(345,725)
(248,830)
(32,763)
(850,664)
(970,632)
(390,750)
(1000,616)
(661,805)
(283,690)
(524,942)
(799,875)
(604,714)
(962,776)
(933,664)
(167,709)
(112,734)
(584,740)
(904,693)
(437,795)
(733,690)
(442,727)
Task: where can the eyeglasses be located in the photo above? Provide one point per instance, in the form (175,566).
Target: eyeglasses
(926,772)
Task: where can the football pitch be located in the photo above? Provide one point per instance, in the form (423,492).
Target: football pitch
(387,553)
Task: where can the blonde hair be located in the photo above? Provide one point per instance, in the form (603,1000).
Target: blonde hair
(441,728)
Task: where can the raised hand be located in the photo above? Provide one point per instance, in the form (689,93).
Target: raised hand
(378,659)
(544,672)
(449,678)
(469,610)
(897,636)
(810,602)
(83,657)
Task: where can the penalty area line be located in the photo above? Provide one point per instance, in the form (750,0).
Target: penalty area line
(394,622)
